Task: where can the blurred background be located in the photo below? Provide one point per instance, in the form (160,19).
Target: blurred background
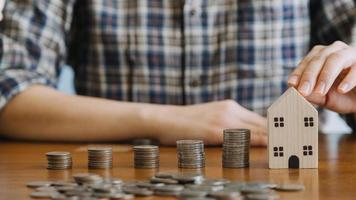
(333,123)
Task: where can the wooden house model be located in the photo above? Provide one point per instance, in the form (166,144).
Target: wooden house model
(292,132)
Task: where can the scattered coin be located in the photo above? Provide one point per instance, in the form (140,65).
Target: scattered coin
(226,195)
(290,187)
(187,186)
(169,190)
(99,157)
(87,178)
(121,196)
(138,191)
(185,178)
(236,148)
(268,196)
(146,156)
(254,190)
(208,188)
(37,184)
(164,175)
(40,195)
(190,154)
(189,193)
(168,181)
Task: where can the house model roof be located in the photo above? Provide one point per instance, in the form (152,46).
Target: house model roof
(291,95)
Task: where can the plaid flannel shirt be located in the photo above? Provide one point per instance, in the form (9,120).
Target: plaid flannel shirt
(167,51)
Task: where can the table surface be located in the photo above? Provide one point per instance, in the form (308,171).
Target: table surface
(21,162)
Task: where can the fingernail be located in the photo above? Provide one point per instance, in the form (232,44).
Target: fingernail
(304,88)
(293,80)
(344,87)
(320,88)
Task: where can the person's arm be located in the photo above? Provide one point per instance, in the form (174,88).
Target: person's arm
(32,42)
(41,113)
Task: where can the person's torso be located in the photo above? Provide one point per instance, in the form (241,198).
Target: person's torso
(187,52)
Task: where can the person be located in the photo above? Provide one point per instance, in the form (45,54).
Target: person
(170,70)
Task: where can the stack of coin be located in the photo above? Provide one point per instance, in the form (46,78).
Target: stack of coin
(236,148)
(59,160)
(190,154)
(146,156)
(99,157)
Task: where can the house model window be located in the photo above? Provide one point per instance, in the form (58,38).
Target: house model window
(308,122)
(278,151)
(279,122)
(307,150)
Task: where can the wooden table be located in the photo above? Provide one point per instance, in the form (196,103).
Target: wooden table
(22,162)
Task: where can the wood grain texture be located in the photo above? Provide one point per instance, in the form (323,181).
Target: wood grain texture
(292,132)
(23,162)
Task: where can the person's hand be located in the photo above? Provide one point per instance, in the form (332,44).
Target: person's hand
(207,122)
(327,77)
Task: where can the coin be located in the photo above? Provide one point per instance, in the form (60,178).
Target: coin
(289,187)
(187,186)
(226,195)
(236,148)
(188,193)
(87,178)
(268,196)
(146,156)
(254,190)
(99,157)
(58,160)
(185,178)
(163,180)
(40,195)
(138,191)
(190,154)
(36,184)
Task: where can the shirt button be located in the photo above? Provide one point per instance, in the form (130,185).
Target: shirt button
(194,83)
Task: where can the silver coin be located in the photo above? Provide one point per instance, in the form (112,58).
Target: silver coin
(146,156)
(187,193)
(138,191)
(36,184)
(190,154)
(170,188)
(40,195)
(57,153)
(236,147)
(254,190)
(163,180)
(225,195)
(269,196)
(290,187)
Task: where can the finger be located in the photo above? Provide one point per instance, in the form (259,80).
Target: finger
(313,67)
(294,78)
(349,82)
(334,65)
